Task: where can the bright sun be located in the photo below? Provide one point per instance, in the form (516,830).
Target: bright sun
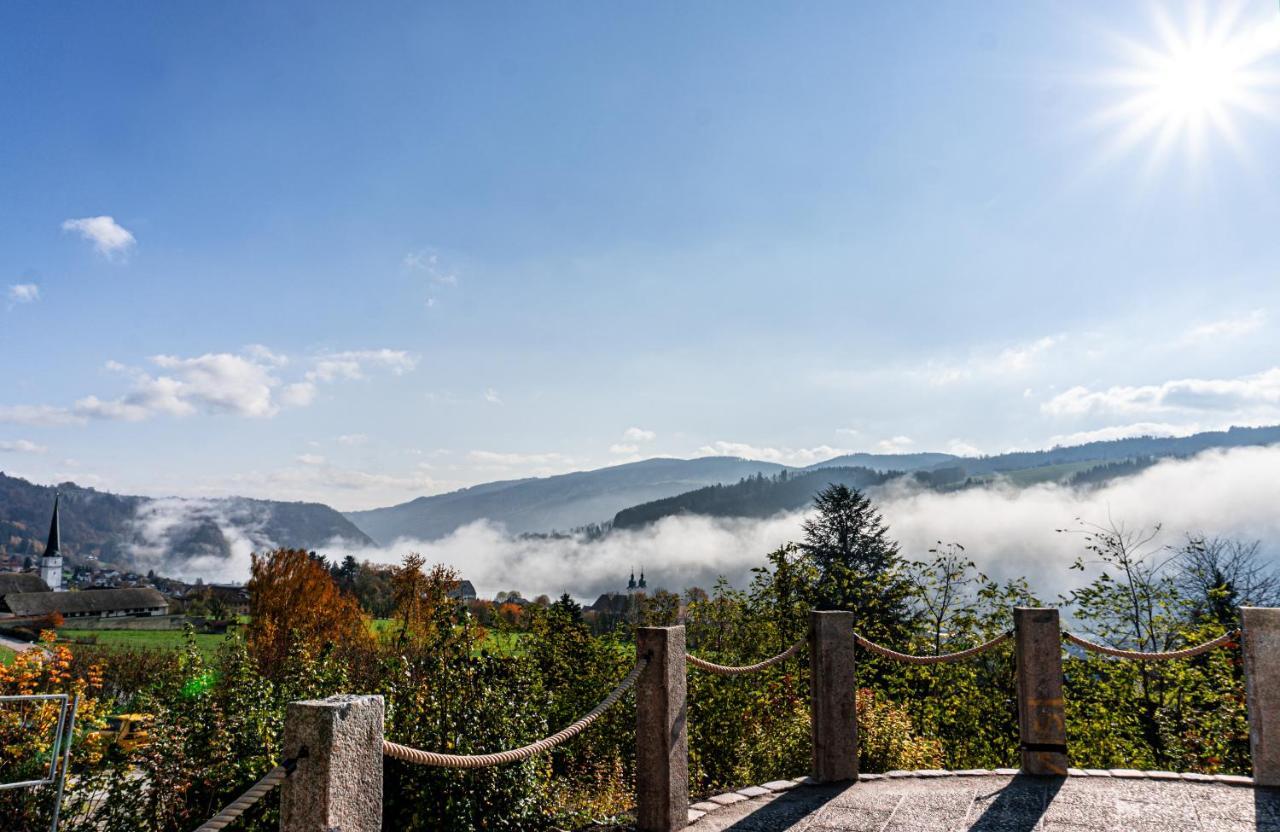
(1195,87)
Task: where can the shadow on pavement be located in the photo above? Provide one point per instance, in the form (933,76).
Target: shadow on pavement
(1018,807)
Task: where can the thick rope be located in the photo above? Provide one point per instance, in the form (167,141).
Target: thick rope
(945,658)
(726,670)
(1140,656)
(242,803)
(431,758)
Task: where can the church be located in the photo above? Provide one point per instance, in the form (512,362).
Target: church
(26,595)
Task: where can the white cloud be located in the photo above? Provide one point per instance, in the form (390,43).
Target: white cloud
(1125,432)
(265,355)
(639,435)
(241,385)
(894,444)
(352,365)
(311,459)
(298,394)
(24,293)
(1246,393)
(1224,328)
(492,397)
(784,456)
(427,262)
(351,439)
(1015,359)
(495,458)
(961,448)
(21,446)
(39,415)
(620,448)
(107,236)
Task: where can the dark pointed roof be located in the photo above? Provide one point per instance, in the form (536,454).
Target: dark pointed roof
(54,545)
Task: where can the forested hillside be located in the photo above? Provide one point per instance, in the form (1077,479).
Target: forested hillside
(141,532)
(756,496)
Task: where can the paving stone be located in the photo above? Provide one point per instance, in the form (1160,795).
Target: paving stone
(779,785)
(1097,772)
(997,804)
(694,815)
(1233,779)
(1009,772)
(870,776)
(705,806)
(727,799)
(753,791)
(972,772)
(1128,772)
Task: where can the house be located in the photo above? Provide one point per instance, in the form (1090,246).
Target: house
(11,582)
(464,591)
(91,603)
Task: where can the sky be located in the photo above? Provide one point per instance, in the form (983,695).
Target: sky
(355,254)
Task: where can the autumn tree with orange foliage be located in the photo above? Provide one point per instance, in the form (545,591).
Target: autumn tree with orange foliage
(296,606)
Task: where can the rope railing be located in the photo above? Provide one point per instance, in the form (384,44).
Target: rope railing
(944,658)
(730,670)
(256,792)
(1141,656)
(433,758)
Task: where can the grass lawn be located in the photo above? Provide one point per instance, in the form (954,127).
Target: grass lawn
(6,655)
(207,643)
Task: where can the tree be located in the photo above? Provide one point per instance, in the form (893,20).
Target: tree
(1217,576)
(858,565)
(295,607)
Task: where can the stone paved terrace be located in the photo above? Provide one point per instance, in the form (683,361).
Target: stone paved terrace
(994,803)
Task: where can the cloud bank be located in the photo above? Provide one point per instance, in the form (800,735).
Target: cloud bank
(1009,532)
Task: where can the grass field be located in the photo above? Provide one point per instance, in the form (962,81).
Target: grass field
(6,655)
(143,639)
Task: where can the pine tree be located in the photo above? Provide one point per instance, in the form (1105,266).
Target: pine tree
(858,565)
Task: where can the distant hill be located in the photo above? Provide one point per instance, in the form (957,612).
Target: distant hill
(141,532)
(1082,465)
(1156,447)
(888,462)
(561,502)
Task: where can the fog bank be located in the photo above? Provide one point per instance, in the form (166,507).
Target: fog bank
(1008,531)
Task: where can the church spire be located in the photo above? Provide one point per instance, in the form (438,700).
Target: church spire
(54,546)
(51,560)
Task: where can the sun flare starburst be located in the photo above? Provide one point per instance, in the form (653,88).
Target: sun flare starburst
(1194,87)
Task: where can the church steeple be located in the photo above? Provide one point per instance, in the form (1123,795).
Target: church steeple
(54,546)
(51,560)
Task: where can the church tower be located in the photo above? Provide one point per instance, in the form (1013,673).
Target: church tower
(51,561)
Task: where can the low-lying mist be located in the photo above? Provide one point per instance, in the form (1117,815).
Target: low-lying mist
(1008,531)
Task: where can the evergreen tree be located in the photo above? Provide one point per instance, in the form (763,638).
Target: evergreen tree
(858,565)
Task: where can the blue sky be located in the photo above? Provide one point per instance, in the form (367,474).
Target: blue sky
(357,254)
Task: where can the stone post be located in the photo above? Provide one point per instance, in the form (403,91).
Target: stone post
(337,786)
(662,738)
(1042,724)
(833,693)
(1261,648)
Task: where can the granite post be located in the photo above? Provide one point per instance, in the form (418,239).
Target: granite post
(337,785)
(1261,648)
(833,691)
(1042,724)
(662,739)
